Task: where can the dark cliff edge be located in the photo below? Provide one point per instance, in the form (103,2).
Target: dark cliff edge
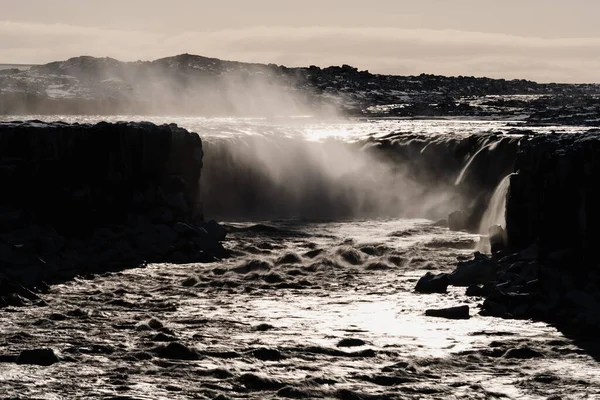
(553,197)
(81,199)
(549,269)
(552,209)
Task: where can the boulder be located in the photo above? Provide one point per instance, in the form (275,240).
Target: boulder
(460,312)
(43,357)
(430,283)
(474,272)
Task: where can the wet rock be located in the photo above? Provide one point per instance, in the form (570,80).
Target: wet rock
(177,351)
(263,327)
(215,231)
(265,354)
(8,358)
(189,282)
(431,283)
(386,380)
(351,342)
(155,324)
(163,337)
(523,353)
(43,357)
(473,272)
(477,290)
(57,317)
(460,312)
(493,309)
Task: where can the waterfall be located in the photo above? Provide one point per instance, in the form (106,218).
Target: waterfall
(496,211)
(463,172)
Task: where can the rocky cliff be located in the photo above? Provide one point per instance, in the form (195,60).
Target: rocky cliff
(553,197)
(79,199)
(550,270)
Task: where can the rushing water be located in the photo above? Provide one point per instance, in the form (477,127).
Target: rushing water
(268,323)
(312,128)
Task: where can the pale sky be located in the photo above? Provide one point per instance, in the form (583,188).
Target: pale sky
(543,40)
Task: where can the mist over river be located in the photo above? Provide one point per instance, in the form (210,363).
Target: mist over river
(331,224)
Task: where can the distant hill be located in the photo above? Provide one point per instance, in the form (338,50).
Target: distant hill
(20,67)
(195,85)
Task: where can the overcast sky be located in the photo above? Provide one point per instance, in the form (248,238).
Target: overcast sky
(543,40)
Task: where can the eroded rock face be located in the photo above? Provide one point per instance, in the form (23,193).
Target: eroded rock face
(553,198)
(79,199)
(550,270)
(77,176)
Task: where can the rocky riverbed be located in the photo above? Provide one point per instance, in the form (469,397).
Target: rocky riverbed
(140,297)
(305,310)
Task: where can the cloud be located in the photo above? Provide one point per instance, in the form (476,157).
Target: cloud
(382,50)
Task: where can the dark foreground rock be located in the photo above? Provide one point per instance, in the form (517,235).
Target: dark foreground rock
(550,270)
(43,357)
(460,312)
(431,283)
(82,199)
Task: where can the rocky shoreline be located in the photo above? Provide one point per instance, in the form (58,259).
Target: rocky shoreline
(548,272)
(86,199)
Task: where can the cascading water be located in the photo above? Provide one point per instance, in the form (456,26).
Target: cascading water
(463,172)
(495,213)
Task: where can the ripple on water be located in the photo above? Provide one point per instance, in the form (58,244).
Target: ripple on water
(330,313)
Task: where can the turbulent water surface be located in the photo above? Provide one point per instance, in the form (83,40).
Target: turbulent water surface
(312,128)
(305,309)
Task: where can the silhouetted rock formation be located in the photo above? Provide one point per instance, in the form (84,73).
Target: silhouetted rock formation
(79,199)
(550,271)
(553,198)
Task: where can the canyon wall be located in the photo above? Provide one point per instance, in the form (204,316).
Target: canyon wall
(81,199)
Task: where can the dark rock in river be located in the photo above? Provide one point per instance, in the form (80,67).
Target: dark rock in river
(523,353)
(477,271)
(431,283)
(265,354)
(351,342)
(460,312)
(44,357)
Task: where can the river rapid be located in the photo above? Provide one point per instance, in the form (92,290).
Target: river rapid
(306,308)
